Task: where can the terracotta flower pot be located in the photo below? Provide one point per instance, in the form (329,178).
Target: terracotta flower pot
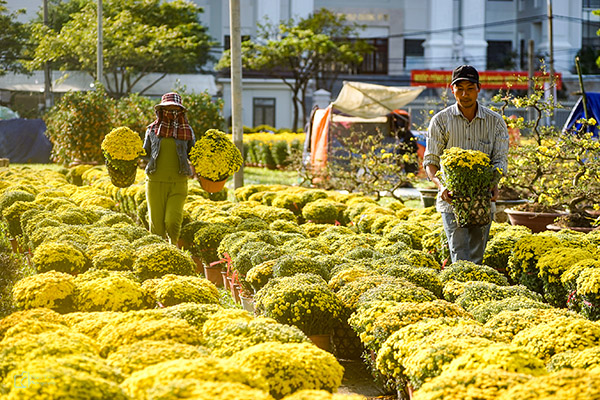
(321,341)
(537,222)
(211,186)
(213,274)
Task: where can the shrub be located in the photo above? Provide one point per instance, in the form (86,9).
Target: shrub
(118,256)
(157,260)
(289,265)
(404,314)
(561,385)
(204,112)
(131,328)
(11,196)
(173,289)
(424,277)
(206,390)
(465,271)
(77,124)
(54,290)
(302,300)
(207,369)
(284,367)
(399,291)
(485,384)
(324,211)
(509,323)
(259,275)
(558,335)
(485,311)
(241,334)
(139,355)
(522,264)
(476,293)
(108,291)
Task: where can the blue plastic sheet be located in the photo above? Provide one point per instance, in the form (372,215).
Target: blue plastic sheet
(24,141)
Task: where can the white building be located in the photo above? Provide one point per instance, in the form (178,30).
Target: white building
(407,35)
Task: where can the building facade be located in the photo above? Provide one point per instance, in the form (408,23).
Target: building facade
(408,35)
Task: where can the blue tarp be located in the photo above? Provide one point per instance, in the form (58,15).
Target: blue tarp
(593,108)
(23,141)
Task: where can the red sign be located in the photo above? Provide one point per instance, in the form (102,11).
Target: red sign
(488,79)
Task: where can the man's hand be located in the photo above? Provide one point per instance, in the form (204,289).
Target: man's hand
(447,196)
(495,193)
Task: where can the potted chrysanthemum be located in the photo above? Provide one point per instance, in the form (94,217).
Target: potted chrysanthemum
(215,158)
(469,176)
(122,148)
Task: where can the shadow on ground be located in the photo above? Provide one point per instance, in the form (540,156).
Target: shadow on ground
(358,380)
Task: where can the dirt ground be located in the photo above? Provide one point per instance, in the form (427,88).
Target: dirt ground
(358,380)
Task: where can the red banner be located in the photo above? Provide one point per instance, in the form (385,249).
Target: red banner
(488,79)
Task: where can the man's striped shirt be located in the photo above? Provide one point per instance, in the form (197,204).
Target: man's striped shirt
(487,132)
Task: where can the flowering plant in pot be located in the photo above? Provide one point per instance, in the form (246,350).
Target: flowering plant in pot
(121,149)
(469,176)
(215,158)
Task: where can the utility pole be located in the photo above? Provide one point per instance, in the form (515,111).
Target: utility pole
(99,59)
(48,101)
(236,84)
(530,86)
(551,49)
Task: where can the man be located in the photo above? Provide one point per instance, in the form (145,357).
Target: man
(470,126)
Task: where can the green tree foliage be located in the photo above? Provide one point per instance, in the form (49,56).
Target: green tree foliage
(78,122)
(320,46)
(13,36)
(139,38)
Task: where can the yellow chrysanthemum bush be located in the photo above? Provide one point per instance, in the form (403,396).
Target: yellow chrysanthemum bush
(469,176)
(289,367)
(509,323)
(562,385)
(588,359)
(175,289)
(144,353)
(552,265)
(207,390)
(157,260)
(307,394)
(478,293)
(52,289)
(43,315)
(59,256)
(132,328)
(99,290)
(465,271)
(241,334)
(469,384)
(582,283)
(121,149)
(302,300)
(214,156)
(403,314)
(558,335)
(522,263)
(141,384)
(116,256)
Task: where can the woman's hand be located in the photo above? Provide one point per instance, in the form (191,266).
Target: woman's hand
(447,196)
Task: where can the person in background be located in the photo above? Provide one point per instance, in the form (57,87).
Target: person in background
(470,126)
(168,142)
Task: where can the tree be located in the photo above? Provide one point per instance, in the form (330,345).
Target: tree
(139,38)
(300,52)
(12,41)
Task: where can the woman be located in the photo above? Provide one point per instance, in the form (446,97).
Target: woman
(168,142)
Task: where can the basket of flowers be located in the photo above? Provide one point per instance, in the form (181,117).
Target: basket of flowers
(215,158)
(121,149)
(469,176)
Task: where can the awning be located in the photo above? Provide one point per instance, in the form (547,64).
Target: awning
(368,100)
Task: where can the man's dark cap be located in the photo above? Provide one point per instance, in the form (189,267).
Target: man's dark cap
(465,73)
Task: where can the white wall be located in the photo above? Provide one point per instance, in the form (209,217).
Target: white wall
(275,88)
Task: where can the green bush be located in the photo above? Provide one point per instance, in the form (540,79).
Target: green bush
(135,112)
(204,113)
(77,124)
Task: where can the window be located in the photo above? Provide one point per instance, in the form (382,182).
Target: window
(227,41)
(413,52)
(263,111)
(500,54)
(375,62)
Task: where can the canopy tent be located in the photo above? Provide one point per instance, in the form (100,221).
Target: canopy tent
(358,103)
(368,100)
(578,112)
(23,141)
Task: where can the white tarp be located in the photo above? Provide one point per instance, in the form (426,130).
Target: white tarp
(367,100)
